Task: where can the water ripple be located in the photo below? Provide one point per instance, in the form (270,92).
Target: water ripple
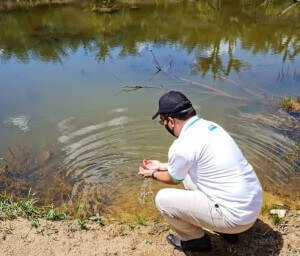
(94,153)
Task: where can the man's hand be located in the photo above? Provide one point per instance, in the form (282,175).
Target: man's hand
(155,165)
(145,173)
(160,176)
(152,164)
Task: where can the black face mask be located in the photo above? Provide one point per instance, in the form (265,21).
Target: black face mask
(169,130)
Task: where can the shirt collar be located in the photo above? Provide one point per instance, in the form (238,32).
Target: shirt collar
(189,123)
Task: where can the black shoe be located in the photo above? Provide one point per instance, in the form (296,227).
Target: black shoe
(230,238)
(175,242)
(202,244)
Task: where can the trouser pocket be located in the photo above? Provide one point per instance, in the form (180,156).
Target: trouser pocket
(216,212)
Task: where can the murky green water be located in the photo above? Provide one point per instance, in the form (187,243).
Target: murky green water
(64,72)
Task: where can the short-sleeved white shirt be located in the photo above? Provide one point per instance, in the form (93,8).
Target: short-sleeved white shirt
(206,152)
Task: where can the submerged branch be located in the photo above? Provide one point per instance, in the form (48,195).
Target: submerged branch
(287,9)
(217,92)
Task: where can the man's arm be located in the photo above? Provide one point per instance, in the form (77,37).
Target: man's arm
(162,176)
(165,178)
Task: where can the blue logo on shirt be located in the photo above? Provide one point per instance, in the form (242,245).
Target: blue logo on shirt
(212,127)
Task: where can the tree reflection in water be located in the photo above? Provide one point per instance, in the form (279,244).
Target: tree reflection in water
(210,28)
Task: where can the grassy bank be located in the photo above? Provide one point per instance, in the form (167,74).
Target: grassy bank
(39,230)
(12,207)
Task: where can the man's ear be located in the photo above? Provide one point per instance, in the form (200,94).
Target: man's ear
(171,122)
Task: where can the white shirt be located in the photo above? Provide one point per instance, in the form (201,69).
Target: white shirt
(206,152)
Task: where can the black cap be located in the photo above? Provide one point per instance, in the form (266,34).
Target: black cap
(172,102)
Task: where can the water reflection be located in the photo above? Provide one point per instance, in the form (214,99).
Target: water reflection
(59,91)
(213,32)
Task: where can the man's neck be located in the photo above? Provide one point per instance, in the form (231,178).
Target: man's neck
(182,123)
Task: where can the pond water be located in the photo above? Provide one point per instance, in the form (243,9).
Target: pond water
(84,86)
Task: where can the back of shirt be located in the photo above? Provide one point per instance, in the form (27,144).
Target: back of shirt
(206,152)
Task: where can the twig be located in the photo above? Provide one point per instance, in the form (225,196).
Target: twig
(118,79)
(157,71)
(287,9)
(28,233)
(158,67)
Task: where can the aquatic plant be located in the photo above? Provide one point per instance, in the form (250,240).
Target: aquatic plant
(16,179)
(17,171)
(290,104)
(59,190)
(88,203)
(105,6)
(287,103)
(292,156)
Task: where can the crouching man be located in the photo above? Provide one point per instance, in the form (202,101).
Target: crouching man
(223,193)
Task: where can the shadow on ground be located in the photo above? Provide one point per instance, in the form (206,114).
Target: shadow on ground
(260,240)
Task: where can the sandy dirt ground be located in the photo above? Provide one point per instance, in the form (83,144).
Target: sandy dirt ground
(120,238)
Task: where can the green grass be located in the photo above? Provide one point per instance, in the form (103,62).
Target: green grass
(82,224)
(139,220)
(98,219)
(34,223)
(54,214)
(11,208)
(275,219)
(265,209)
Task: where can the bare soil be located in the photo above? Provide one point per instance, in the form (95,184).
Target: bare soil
(120,238)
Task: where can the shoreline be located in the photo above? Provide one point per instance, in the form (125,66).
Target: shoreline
(107,236)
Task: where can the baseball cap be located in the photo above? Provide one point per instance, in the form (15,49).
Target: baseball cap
(172,102)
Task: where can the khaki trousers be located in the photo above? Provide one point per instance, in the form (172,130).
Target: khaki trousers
(190,211)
